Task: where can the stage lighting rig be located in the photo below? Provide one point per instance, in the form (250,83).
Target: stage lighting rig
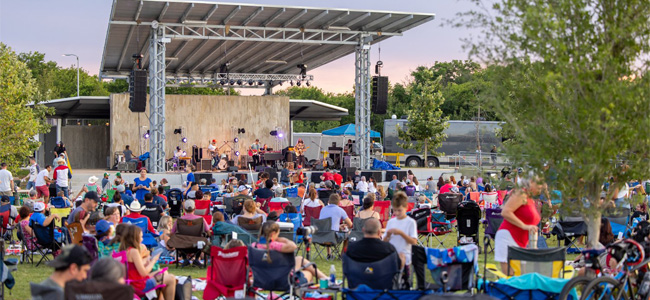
(146,135)
(303,70)
(307,83)
(184,140)
(241,131)
(298,83)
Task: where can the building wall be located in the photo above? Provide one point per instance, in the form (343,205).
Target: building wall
(87,146)
(202,119)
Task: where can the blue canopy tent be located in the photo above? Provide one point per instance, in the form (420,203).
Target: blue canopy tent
(348,129)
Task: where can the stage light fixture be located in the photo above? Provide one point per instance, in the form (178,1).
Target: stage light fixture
(236,153)
(232,81)
(184,154)
(178,130)
(224,68)
(280,135)
(250,82)
(307,83)
(223,82)
(303,70)
(280,83)
(236,140)
(146,135)
(273,133)
(184,140)
(239,82)
(241,131)
(298,83)
(261,82)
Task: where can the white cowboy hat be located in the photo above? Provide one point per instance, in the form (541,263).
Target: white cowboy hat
(135,206)
(92,179)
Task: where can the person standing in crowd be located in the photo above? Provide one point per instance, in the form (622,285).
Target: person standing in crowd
(59,149)
(393,183)
(72,264)
(401,231)
(284,175)
(6,181)
(142,185)
(42,183)
(493,155)
(33,172)
(372,185)
(61,176)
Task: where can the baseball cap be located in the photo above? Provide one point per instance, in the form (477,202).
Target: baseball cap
(214,141)
(5,199)
(120,188)
(189,204)
(92,195)
(106,174)
(39,206)
(118,174)
(71,254)
(242,188)
(103,226)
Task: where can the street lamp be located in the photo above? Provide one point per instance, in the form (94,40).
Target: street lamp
(77,70)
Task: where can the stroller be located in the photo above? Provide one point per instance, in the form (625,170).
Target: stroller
(468,220)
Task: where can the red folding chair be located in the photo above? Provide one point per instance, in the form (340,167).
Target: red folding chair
(204,209)
(501,195)
(311,212)
(264,203)
(226,273)
(410,206)
(278,207)
(349,210)
(474,196)
(383,208)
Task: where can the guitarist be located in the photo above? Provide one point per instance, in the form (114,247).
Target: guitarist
(255,151)
(214,153)
(300,152)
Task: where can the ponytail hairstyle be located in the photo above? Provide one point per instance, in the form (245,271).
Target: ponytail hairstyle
(313,195)
(268,228)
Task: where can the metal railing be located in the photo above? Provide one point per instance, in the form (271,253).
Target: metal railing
(480,160)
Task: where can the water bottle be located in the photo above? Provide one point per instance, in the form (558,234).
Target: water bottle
(332,275)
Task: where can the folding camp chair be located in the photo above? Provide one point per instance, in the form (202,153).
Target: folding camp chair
(27,248)
(148,238)
(76,233)
(273,271)
(204,209)
(474,196)
(448,202)
(492,221)
(527,286)
(58,202)
(501,195)
(430,226)
(383,208)
(380,275)
(356,234)
(277,207)
(619,219)
(324,196)
(175,201)
(227,272)
(296,219)
(75,290)
(325,237)
(548,262)
(569,229)
(264,203)
(436,270)
(311,212)
(292,192)
(187,239)
(45,241)
(153,215)
(295,201)
(349,211)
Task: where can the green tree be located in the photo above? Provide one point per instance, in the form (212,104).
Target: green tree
(573,87)
(426,126)
(19,123)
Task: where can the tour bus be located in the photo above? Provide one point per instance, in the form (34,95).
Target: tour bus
(461,142)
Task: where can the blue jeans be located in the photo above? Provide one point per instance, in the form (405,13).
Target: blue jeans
(62,188)
(30,185)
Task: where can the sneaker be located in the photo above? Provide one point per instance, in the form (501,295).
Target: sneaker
(185,263)
(198,263)
(330,256)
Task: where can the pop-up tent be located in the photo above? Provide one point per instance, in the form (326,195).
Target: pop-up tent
(348,129)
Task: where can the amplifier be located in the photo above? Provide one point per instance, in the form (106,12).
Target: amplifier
(273,156)
(206,164)
(353,161)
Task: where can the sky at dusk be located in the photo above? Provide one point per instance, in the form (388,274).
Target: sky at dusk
(79,27)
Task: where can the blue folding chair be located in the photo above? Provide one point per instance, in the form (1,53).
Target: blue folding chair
(148,238)
(296,219)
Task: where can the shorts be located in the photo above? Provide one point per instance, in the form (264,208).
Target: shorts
(43,191)
(503,240)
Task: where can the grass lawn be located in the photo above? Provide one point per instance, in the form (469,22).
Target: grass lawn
(29,273)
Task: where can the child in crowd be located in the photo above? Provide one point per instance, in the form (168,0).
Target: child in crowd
(165,225)
(401,232)
(424,202)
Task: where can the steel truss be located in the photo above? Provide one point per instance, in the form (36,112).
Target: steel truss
(363,92)
(157,100)
(215,80)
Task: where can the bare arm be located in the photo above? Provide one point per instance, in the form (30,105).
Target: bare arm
(287,245)
(517,200)
(143,268)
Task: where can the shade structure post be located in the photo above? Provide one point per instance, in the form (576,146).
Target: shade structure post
(157,99)
(363,90)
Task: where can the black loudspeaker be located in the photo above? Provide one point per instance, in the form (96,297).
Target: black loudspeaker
(345,172)
(206,164)
(374,174)
(272,173)
(379,94)
(233,169)
(138,90)
(315,177)
(206,176)
(196,154)
(259,169)
(231,163)
(400,175)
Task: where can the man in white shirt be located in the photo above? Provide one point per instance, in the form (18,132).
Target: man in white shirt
(61,176)
(6,181)
(212,149)
(33,171)
(42,183)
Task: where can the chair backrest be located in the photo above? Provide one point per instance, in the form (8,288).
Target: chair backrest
(383,208)
(175,201)
(323,225)
(422,218)
(58,202)
(204,209)
(357,224)
(110,193)
(4,219)
(271,269)
(501,195)
(75,290)
(142,222)
(227,272)
(153,215)
(468,218)
(44,235)
(76,232)
(548,262)
(378,275)
(264,203)
(292,192)
(90,243)
(192,227)
(277,207)
(294,218)
(250,223)
(494,220)
(295,201)
(458,270)
(311,212)
(349,210)
(448,202)
(324,196)
(474,196)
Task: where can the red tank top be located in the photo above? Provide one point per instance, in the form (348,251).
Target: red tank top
(136,280)
(529,215)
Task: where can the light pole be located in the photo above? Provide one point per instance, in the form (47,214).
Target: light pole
(77,70)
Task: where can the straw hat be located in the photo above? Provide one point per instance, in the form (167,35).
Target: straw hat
(92,179)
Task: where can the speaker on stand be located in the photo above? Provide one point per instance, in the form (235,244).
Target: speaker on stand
(138,90)
(379,94)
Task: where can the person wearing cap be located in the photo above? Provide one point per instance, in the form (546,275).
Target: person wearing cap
(89,204)
(33,172)
(135,210)
(72,264)
(126,198)
(42,183)
(214,152)
(61,176)
(6,181)
(338,178)
(118,179)
(243,190)
(104,231)
(409,189)
(106,182)
(189,207)
(141,186)
(39,218)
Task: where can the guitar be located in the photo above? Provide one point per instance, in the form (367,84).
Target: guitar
(300,151)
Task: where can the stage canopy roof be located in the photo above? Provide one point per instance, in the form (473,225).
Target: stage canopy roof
(98,107)
(254,39)
(348,129)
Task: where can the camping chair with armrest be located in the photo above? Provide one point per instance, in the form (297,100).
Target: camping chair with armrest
(501,195)
(27,248)
(548,262)
(324,196)
(148,238)
(448,202)
(204,209)
(311,212)
(325,237)
(252,225)
(295,201)
(296,219)
(474,196)
(356,234)
(110,193)
(153,216)
(277,207)
(45,241)
(273,271)
(431,224)
(380,275)
(155,291)
(75,290)
(4,221)
(492,221)
(58,202)
(349,211)
(227,272)
(90,243)
(264,203)
(383,209)
(431,266)
(188,238)
(76,233)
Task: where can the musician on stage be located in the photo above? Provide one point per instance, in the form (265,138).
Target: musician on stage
(178,154)
(212,149)
(300,152)
(255,150)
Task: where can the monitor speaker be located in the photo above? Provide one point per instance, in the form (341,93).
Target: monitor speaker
(138,90)
(379,94)
(206,164)
(206,176)
(272,173)
(233,169)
